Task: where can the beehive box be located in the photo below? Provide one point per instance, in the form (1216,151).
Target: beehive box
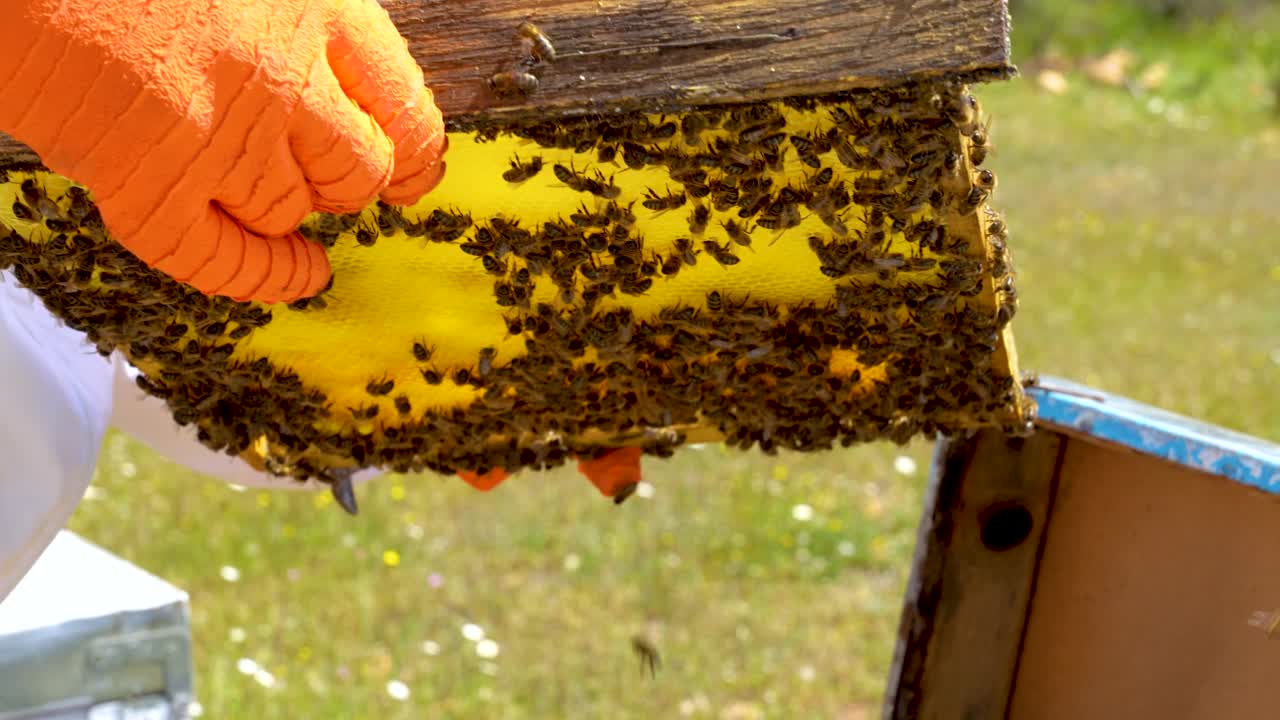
(725,228)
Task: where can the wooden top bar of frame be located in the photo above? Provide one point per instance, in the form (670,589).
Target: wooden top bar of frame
(661,54)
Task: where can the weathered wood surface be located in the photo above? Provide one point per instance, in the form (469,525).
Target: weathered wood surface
(968,598)
(668,53)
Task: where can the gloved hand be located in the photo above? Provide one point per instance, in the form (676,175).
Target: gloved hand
(207,131)
(615,473)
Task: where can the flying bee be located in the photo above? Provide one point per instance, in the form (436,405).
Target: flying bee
(645,650)
(698,219)
(739,234)
(520,172)
(662,203)
(513,82)
(539,43)
(721,253)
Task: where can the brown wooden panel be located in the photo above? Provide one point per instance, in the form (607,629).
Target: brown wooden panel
(671,53)
(1151,576)
(967,600)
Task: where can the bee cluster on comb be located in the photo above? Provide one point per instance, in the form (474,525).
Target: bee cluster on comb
(792,274)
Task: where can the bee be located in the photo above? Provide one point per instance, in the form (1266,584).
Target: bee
(493,265)
(390,219)
(539,43)
(636,156)
(598,186)
(36,199)
(513,82)
(504,294)
(715,301)
(723,196)
(971,201)
(606,153)
(691,127)
(997,229)
(985,179)
(422,352)
(632,286)
(739,234)
(486,361)
(756,133)
(806,150)
(620,215)
(721,253)
(81,207)
(586,218)
(431,376)
(978,147)
(380,387)
(647,653)
(698,219)
(22,212)
(366,236)
(685,249)
(483,245)
(365,412)
(661,203)
(781,216)
(520,172)
(403,406)
(671,264)
(213,330)
(847,155)
(665,131)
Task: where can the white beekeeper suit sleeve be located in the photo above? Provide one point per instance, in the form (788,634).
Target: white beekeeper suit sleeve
(57,396)
(55,399)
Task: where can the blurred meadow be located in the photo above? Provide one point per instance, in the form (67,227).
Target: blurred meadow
(1143,218)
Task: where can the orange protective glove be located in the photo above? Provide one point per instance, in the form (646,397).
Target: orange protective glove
(208,130)
(615,474)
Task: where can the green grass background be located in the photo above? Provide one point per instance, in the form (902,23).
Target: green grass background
(1145,238)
